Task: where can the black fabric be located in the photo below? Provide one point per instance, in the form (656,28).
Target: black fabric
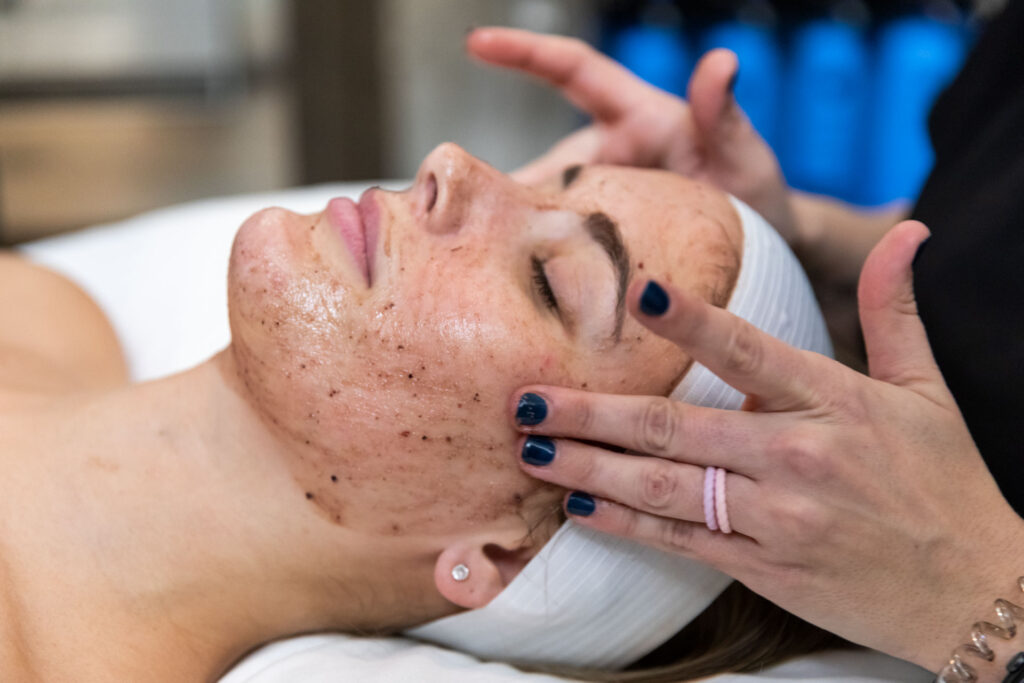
(969,278)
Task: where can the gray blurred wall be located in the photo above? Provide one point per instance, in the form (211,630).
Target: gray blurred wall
(434,93)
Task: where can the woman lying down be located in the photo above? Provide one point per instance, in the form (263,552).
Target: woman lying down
(348,462)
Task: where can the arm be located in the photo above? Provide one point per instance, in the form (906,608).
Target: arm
(53,337)
(833,239)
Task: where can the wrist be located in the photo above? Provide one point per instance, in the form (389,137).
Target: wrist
(988,634)
(807,223)
(809,233)
(989,659)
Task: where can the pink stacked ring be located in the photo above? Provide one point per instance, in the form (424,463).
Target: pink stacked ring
(721,510)
(710,516)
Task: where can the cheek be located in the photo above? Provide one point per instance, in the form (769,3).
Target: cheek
(412,439)
(394,413)
(428,445)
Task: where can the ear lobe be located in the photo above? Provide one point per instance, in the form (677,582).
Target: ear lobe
(490,566)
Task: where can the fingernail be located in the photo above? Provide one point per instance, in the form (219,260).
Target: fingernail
(654,300)
(532,410)
(732,81)
(538,450)
(580,504)
(920,249)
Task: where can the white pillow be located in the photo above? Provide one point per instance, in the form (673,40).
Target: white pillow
(343,659)
(161,278)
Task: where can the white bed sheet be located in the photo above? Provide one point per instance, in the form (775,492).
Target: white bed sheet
(161,278)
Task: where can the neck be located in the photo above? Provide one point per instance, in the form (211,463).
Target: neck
(166,514)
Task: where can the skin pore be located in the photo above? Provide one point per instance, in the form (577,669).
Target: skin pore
(352,442)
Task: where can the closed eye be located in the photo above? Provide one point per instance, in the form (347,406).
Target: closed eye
(543,286)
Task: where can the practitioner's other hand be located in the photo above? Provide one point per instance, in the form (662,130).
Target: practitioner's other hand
(708,138)
(859,503)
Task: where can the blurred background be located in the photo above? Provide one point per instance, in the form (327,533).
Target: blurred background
(112,107)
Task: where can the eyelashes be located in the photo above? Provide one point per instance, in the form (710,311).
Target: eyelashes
(542,284)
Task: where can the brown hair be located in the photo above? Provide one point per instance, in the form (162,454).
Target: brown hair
(739,632)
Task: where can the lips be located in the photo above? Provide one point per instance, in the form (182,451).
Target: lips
(369,212)
(345,216)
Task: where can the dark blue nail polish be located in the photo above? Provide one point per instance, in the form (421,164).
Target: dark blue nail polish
(538,450)
(920,250)
(654,300)
(732,81)
(580,504)
(532,410)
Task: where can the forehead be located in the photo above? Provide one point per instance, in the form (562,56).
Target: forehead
(675,228)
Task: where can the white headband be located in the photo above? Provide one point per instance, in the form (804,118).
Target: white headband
(590,600)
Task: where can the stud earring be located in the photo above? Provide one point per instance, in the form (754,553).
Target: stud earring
(460,572)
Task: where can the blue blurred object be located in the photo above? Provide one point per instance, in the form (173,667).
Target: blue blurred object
(758,86)
(824,126)
(917,57)
(657,53)
(847,114)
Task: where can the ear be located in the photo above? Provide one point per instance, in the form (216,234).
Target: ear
(491,568)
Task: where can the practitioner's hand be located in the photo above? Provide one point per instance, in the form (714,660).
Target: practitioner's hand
(859,503)
(635,124)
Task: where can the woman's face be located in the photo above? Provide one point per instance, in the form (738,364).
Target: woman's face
(389,382)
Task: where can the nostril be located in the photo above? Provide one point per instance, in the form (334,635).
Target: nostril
(431,191)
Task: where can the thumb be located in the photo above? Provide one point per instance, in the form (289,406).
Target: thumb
(718,116)
(897,345)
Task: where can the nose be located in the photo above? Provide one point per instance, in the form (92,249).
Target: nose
(449,184)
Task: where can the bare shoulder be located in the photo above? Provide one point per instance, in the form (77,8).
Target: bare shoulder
(53,337)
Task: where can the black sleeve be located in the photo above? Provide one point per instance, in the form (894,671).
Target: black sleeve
(969,279)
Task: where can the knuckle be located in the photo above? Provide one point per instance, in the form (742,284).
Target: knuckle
(801,522)
(658,487)
(584,467)
(744,352)
(582,415)
(629,524)
(677,536)
(657,426)
(805,456)
(689,326)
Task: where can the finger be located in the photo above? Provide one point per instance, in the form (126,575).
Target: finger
(723,551)
(723,127)
(710,93)
(580,147)
(781,377)
(652,425)
(896,341)
(588,79)
(660,487)
(744,164)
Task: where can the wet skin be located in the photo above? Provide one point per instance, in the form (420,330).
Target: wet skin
(391,399)
(352,444)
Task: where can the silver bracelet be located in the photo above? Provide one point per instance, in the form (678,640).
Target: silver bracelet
(959,671)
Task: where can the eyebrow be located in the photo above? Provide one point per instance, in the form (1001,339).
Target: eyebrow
(605,232)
